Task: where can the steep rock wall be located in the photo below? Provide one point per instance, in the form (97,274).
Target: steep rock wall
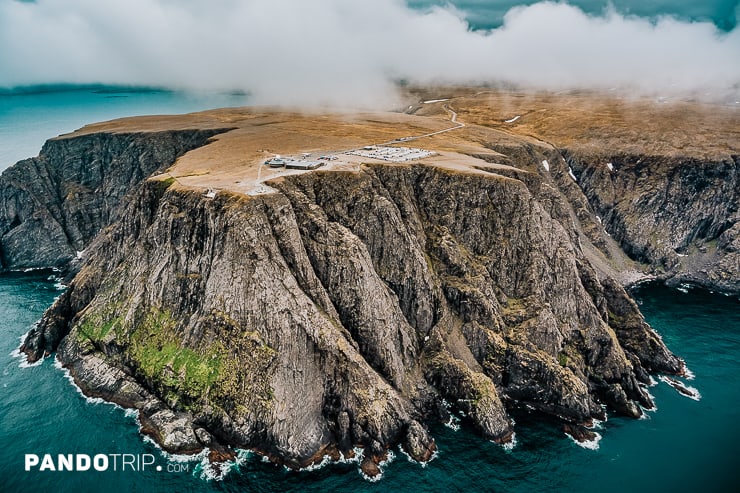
(679,215)
(346,309)
(53,205)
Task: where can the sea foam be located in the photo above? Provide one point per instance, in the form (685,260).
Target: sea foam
(693,393)
(17,354)
(588,444)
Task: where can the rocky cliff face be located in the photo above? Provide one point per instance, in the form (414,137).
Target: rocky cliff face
(681,216)
(347,309)
(52,206)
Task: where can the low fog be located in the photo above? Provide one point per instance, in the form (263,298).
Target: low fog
(351,52)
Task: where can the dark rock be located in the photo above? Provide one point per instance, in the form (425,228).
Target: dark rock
(369,468)
(656,206)
(579,433)
(218,453)
(203,436)
(53,205)
(680,387)
(418,444)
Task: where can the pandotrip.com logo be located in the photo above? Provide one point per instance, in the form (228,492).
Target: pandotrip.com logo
(99,463)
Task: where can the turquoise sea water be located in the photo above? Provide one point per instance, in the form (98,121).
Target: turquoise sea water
(685,446)
(29,116)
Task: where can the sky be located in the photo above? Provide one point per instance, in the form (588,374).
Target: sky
(354,52)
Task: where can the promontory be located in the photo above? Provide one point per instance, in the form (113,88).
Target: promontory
(313,284)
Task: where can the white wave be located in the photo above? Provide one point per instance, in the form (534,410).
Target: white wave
(325,461)
(390,457)
(17,354)
(688,374)
(693,392)
(90,400)
(653,409)
(374,479)
(453,423)
(509,446)
(435,454)
(211,472)
(596,424)
(588,444)
(350,460)
(23,363)
(70,378)
(131,413)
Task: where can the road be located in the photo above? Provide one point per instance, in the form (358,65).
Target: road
(453,119)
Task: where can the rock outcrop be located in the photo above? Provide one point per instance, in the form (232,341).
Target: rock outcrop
(351,308)
(348,309)
(53,205)
(681,216)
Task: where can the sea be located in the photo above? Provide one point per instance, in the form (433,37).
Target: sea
(686,445)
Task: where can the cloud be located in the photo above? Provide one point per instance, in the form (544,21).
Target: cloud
(350,52)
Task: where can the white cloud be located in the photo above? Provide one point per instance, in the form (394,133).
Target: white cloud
(349,51)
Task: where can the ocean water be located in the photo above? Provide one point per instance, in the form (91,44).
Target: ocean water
(30,115)
(685,446)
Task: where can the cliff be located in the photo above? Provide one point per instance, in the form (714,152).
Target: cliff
(662,179)
(681,216)
(304,314)
(344,309)
(53,205)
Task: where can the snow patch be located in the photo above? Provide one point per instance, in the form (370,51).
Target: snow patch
(610,166)
(435,101)
(513,119)
(572,175)
(546,165)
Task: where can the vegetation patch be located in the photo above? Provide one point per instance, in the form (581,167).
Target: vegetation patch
(161,357)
